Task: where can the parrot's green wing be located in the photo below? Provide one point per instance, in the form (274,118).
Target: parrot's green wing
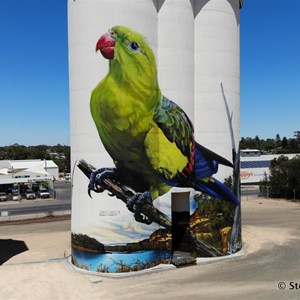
(175,125)
(171,149)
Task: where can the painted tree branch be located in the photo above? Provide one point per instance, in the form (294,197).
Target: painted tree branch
(235,233)
(124,193)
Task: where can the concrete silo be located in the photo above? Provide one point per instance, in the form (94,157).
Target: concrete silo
(194,62)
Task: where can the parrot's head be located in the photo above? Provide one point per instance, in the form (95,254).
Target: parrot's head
(129,53)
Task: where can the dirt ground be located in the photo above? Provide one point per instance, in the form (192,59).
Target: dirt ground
(270,231)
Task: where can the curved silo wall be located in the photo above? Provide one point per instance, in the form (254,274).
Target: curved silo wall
(176,53)
(196,47)
(217,77)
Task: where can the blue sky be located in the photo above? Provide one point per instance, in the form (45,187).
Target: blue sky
(34,87)
(270,68)
(34,90)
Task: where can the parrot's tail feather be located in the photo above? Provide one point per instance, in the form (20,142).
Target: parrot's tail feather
(204,168)
(217,189)
(210,155)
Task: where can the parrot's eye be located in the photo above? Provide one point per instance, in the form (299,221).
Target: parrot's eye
(112,34)
(134,46)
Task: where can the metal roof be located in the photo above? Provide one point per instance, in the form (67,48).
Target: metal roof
(16,171)
(255,164)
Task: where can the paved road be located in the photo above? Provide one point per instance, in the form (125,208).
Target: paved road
(35,209)
(36,228)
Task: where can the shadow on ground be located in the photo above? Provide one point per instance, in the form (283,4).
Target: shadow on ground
(10,248)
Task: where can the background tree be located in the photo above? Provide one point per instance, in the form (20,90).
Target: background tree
(38,152)
(297,135)
(284,179)
(273,146)
(278,141)
(16,151)
(60,154)
(293,185)
(284,143)
(293,144)
(278,177)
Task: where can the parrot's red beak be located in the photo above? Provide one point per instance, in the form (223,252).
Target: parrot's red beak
(106,46)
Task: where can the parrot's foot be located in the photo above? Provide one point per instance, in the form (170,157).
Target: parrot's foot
(135,205)
(97,178)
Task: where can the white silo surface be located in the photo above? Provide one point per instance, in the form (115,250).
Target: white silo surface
(87,21)
(217,65)
(176,53)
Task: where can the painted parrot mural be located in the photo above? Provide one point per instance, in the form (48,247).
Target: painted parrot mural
(148,136)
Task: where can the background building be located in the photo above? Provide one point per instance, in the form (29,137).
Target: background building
(254,165)
(16,173)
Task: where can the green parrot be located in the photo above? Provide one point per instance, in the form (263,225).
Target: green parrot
(149,137)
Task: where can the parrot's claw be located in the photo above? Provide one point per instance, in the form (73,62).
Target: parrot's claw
(97,178)
(135,205)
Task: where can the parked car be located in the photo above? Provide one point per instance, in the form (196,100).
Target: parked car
(3,196)
(30,194)
(44,193)
(16,197)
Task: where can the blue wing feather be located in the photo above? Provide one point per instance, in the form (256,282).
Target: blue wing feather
(203,163)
